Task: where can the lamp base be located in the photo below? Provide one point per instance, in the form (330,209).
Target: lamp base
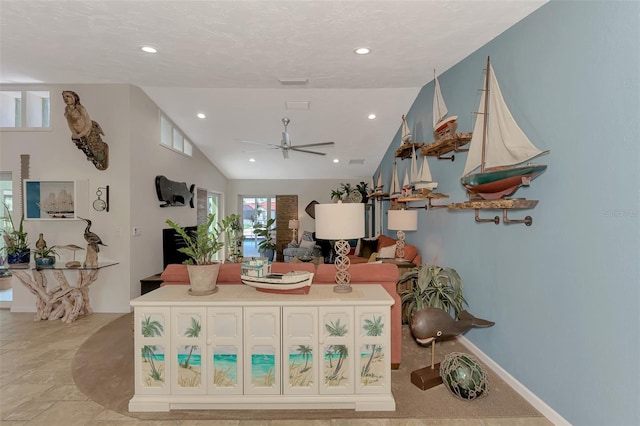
(342,288)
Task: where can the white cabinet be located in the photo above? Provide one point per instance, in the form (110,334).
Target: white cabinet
(239,348)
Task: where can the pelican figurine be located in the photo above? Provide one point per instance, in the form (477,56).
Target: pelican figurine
(91,237)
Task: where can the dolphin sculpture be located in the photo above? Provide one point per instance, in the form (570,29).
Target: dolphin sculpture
(429,324)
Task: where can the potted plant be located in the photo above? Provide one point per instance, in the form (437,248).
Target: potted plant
(267,246)
(431,286)
(363,189)
(201,246)
(336,195)
(15,240)
(235,236)
(45,257)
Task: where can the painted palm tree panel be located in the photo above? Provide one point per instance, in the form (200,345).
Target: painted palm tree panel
(372,362)
(153,362)
(263,366)
(301,365)
(189,356)
(225,366)
(336,356)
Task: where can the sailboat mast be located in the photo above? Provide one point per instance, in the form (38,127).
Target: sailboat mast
(486,115)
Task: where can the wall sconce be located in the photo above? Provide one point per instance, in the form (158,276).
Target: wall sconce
(340,221)
(100,204)
(402,220)
(294,225)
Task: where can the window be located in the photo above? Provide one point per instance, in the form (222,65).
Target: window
(172,137)
(25,109)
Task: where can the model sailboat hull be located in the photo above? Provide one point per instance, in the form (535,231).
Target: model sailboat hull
(495,184)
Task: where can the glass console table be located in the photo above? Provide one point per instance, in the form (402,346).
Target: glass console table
(64,301)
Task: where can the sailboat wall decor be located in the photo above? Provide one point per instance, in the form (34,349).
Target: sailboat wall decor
(422,180)
(498,147)
(406,141)
(444,128)
(394,189)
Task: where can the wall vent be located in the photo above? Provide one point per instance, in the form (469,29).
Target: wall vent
(300,105)
(294,81)
(356,161)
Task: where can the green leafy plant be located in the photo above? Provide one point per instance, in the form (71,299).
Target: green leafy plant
(202,244)
(15,239)
(265,231)
(336,194)
(235,234)
(45,251)
(432,286)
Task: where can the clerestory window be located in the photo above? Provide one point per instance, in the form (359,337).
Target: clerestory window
(25,109)
(172,137)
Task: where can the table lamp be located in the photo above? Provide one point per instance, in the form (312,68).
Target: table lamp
(294,224)
(340,222)
(402,220)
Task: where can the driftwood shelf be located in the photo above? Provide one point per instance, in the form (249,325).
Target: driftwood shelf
(426,198)
(406,149)
(505,205)
(446,145)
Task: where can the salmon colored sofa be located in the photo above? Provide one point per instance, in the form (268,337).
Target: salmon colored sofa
(410,251)
(385,274)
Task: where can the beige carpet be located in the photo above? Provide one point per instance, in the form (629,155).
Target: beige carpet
(103,370)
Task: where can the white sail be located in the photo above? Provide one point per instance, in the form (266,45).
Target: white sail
(506,144)
(394,190)
(425,181)
(439,107)
(414,165)
(406,134)
(379,186)
(407,189)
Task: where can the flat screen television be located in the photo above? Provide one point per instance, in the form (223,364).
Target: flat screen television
(171,242)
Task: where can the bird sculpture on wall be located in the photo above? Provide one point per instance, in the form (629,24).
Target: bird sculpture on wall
(91,237)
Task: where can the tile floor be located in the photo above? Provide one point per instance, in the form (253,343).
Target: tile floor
(36,387)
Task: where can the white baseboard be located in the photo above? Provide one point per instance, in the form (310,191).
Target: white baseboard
(529,396)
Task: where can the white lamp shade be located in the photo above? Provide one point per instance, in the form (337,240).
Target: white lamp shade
(294,224)
(339,221)
(402,220)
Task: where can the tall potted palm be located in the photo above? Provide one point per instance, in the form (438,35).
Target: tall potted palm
(267,246)
(201,247)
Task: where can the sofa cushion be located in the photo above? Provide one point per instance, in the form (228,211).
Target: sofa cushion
(387,252)
(384,241)
(410,252)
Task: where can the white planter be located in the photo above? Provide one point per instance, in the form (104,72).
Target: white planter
(203,279)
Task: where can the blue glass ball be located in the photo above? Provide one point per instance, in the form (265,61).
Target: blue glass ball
(464,376)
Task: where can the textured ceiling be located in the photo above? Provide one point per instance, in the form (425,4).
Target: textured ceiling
(224,58)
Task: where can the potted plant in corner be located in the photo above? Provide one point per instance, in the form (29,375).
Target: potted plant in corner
(15,241)
(201,246)
(431,286)
(267,246)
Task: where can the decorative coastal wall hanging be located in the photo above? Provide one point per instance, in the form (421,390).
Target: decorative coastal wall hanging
(85,133)
(173,193)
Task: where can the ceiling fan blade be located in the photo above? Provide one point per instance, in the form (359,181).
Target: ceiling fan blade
(261,150)
(295,148)
(262,143)
(316,144)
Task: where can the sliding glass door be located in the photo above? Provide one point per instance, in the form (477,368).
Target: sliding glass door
(256,209)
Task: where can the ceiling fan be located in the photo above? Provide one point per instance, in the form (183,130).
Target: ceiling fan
(286,146)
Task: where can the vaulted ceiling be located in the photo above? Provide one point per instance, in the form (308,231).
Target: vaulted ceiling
(226,59)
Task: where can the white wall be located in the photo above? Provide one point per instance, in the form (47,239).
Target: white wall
(131,125)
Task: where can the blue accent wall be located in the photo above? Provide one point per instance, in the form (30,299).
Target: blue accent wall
(564,293)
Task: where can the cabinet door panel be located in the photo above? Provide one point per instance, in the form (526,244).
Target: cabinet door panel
(262,351)
(225,357)
(300,350)
(189,346)
(152,345)
(336,348)
(373,364)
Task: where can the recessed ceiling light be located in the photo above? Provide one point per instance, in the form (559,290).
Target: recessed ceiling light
(148,49)
(252,160)
(362,50)
(372,116)
(335,160)
(201,115)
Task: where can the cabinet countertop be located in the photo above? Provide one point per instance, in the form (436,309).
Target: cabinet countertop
(235,295)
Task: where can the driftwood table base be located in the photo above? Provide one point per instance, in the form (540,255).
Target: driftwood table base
(64,302)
